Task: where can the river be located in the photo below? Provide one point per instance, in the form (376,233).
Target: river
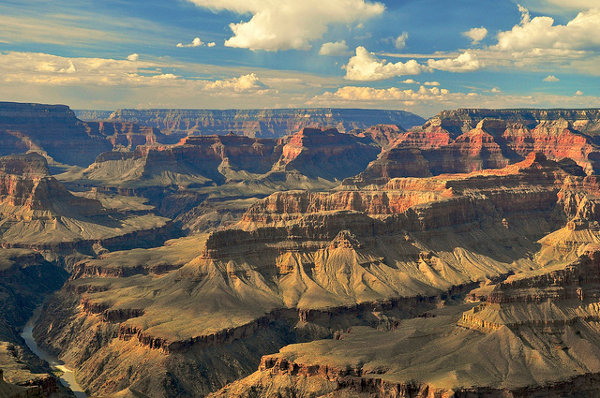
(67,378)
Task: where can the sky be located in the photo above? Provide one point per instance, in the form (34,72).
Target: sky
(422,56)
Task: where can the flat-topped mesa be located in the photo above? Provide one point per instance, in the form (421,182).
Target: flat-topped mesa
(326,153)
(125,134)
(467,140)
(31,165)
(555,298)
(16,113)
(25,183)
(53,129)
(536,175)
(310,232)
(194,160)
(37,211)
(282,207)
(422,154)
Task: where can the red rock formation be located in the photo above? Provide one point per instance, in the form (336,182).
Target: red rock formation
(383,134)
(468,140)
(25,182)
(125,134)
(326,153)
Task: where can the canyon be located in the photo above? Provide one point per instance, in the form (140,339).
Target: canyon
(263,123)
(301,253)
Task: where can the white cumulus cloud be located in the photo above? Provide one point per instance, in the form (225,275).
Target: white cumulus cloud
(581,33)
(336,48)
(289,24)
(400,41)
(431,83)
(41,70)
(476,34)
(551,79)
(364,66)
(465,62)
(133,57)
(249,82)
(574,4)
(195,43)
(354,93)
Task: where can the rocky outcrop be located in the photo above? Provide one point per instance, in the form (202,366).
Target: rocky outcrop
(383,134)
(326,153)
(125,134)
(25,182)
(26,278)
(203,160)
(468,140)
(271,123)
(38,212)
(419,204)
(280,377)
(53,129)
(508,303)
(462,120)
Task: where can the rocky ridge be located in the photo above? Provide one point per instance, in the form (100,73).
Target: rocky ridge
(468,140)
(267,123)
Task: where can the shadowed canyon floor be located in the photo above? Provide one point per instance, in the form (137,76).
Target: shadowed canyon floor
(459,258)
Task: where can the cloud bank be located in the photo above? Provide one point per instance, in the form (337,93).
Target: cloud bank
(289,24)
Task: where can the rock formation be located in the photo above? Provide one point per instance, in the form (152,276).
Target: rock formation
(267,123)
(467,140)
(459,258)
(314,264)
(55,131)
(38,212)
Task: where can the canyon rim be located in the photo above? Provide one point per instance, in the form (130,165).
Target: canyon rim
(299,199)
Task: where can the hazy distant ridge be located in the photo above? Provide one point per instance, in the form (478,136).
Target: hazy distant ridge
(255,122)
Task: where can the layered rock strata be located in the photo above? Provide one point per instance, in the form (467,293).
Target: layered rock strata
(306,265)
(468,140)
(268,123)
(38,212)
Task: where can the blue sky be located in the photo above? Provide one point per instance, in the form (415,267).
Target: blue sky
(419,55)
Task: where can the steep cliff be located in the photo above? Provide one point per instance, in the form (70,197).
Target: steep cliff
(326,153)
(25,279)
(55,131)
(462,120)
(534,334)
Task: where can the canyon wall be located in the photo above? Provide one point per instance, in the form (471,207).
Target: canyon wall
(271,123)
